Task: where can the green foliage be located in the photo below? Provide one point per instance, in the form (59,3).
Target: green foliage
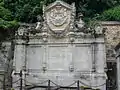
(7,21)
(8,24)
(90,8)
(27,10)
(6,18)
(5,14)
(112,14)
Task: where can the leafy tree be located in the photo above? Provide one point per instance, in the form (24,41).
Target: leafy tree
(111,14)
(24,10)
(6,21)
(27,10)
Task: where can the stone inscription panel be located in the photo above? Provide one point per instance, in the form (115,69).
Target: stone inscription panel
(35,56)
(58,58)
(82,58)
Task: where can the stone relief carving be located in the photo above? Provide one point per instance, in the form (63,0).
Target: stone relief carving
(80,23)
(44,67)
(38,27)
(58,18)
(59,21)
(25,30)
(39,23)
(71,36)
(21,33)
(99,29)
(45,36)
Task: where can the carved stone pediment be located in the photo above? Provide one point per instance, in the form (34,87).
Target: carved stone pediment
(59,20)
(58,16)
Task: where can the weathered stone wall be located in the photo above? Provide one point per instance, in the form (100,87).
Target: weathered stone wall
(60,51)
(5,66)
(112,38)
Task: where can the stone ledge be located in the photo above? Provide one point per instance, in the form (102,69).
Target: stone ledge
(110,23)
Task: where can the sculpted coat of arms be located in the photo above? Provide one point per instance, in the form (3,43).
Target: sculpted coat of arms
(58,17)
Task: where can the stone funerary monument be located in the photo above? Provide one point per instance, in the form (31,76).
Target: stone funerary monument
(60,52)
